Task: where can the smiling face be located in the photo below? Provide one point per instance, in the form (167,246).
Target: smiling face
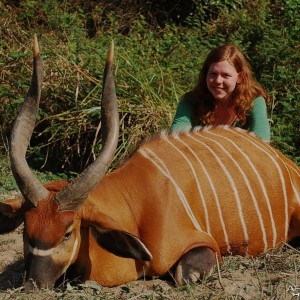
(221,79)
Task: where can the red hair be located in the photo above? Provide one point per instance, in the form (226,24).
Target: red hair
(243,95)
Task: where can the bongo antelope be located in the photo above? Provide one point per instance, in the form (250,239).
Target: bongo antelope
(181,202)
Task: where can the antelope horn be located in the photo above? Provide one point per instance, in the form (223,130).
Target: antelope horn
(73,195)
(30,187)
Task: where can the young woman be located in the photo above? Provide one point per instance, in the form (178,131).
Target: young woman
(226,93)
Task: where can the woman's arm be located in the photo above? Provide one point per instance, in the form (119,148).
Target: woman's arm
(183,116)
(259,120)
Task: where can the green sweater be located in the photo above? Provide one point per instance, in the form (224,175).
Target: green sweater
(257,120)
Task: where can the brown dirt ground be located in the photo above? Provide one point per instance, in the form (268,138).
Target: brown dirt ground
(271,276)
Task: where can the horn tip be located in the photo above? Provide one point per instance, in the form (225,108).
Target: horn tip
(36,48)
(110,55)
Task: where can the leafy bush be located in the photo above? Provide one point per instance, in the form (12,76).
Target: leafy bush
(157,59)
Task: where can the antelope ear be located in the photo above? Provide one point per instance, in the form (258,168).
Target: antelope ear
(11,214)
(121,243)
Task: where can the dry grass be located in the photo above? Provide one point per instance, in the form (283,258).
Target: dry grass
(272,275)
(67,133)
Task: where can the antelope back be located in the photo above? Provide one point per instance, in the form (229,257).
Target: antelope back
(232,185)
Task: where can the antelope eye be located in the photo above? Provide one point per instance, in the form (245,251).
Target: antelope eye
(67,235)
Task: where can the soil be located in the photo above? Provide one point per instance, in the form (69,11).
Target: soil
(271,276)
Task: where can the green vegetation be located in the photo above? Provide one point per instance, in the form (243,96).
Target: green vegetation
(159,47)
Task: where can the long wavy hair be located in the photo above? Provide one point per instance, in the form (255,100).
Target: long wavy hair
(242,96)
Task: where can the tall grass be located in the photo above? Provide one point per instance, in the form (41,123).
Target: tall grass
(156,62)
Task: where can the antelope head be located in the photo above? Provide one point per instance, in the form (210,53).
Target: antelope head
(51,226)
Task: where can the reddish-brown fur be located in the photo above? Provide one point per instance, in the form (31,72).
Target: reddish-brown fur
(137,198)
(178,204)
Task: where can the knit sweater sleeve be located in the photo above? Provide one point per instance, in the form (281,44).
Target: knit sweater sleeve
(259,123)
(183,116)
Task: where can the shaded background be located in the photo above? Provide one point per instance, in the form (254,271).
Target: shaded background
(159,48)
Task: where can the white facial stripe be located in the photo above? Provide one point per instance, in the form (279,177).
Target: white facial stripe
(75,246)
(258,146)
(146,153)
(40,252)
(49,252)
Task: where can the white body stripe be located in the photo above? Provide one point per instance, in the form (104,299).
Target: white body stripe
(154,159)
(261,222)
(252,141)
(232,183)
(216,197)
(195,178)
(297,192)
